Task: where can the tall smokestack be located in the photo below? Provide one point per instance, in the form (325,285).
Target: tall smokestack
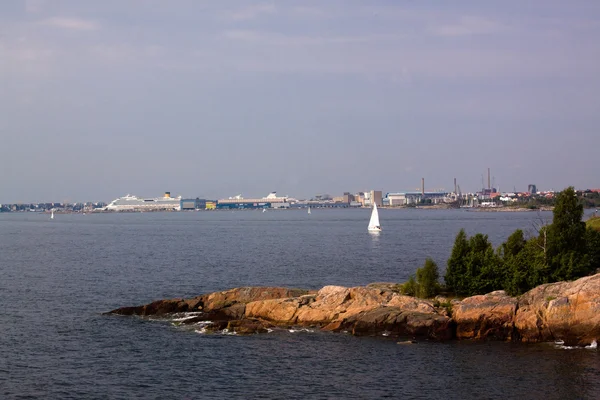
(423,186)
(489,184)
(455,191)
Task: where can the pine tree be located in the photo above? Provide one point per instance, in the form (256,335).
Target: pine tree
(567,249)
(457,268)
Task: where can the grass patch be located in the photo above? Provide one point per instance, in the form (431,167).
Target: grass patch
(446,305)
(594,223)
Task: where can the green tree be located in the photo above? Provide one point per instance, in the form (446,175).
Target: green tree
(427,279)
(483,267)
(457,268)
(512,256)
(592,239)
(473,267)
(567,249)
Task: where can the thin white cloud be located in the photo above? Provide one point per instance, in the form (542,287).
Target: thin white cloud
(307,11)
(77,24)
(34,6)
(273,38)
(124,53)
(470,25)
(253,12)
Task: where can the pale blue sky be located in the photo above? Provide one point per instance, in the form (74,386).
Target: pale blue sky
(216,98)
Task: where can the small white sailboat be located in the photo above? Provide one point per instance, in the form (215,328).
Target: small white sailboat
(309,210)
(52,214)
(264,210)
(374,225)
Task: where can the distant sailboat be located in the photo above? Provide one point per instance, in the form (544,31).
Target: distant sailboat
(52,214)
(374,225)
(309,210)
(264,210)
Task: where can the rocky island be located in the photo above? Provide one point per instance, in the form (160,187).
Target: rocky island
(562,311)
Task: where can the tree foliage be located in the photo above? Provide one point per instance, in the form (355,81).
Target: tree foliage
(473,266)
(562,250)
(427,279)
(456,269)
(410,287)
(426,284)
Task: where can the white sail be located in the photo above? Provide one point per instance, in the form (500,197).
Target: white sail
(52,215)
(309,210)
(374,225)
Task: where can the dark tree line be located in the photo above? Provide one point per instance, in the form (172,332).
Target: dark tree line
(563,250)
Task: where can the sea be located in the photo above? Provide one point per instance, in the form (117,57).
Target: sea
(58,277)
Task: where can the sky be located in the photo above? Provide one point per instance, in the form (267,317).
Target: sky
(218,98)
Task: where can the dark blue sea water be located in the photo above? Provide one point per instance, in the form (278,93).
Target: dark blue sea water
(57,277)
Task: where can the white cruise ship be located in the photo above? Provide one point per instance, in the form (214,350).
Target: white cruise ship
(134,203)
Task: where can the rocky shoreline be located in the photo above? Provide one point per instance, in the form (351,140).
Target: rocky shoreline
(565,311)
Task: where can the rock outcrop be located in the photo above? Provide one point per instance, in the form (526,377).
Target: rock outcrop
(395,321)
(568,311)
(487,316)
(360,310)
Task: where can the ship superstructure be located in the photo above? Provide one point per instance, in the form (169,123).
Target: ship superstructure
(134,203)
(269,201)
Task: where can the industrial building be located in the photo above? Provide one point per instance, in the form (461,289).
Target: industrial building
(416,197)
(194,204)
(406,198)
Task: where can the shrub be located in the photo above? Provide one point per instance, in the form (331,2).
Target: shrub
(410,287)
(427,279)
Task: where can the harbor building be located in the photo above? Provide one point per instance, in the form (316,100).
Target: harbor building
(406,198)
(376,197)
(193,204)
(372,197)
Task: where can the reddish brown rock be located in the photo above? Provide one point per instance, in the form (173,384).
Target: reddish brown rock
(408,303)
(393,320)
(276,310)
(159,307)
(246,295)
(234,311)
(487,316)
(247,326)
(338,302)
(212,302)
(568,311)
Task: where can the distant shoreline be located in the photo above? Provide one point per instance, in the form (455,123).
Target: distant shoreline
(432,207)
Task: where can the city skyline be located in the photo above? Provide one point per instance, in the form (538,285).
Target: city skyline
(328,194)
(101,100)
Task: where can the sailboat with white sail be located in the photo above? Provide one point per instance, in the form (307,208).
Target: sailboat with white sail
(309,209)
(374,225)
(52,214)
